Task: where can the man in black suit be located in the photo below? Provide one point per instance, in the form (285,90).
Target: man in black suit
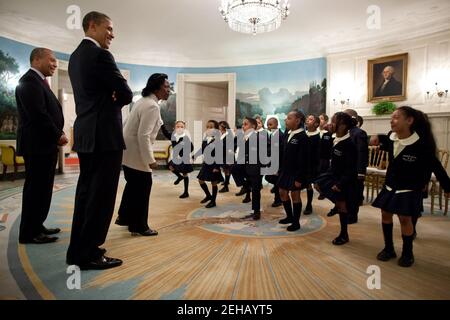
(100,93)
(39,134)
(390,86)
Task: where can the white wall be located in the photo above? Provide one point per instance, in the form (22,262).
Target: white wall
(429,62)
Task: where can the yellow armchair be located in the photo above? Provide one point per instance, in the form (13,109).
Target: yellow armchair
(9,158)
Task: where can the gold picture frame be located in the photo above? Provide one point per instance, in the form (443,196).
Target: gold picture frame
(387,78)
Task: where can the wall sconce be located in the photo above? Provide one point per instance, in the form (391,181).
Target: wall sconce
(439,94)
(343,102)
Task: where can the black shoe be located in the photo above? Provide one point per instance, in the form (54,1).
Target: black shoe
(352,220)
(320,197)
(101,264)
(39,239)
(332,212)
(286,220)
(206,199)
(179,179)
(224,189)
(121,223)
(247,200)
(276,204)
(184,195)
(102,250)
(340,240)
(211,204)
(256,216)
(241,192)
(406,261)
(50,231)
(386,255)
(146,233)
(272,190)
(294,226)
(307,211)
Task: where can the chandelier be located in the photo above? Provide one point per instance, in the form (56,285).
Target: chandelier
(254,16)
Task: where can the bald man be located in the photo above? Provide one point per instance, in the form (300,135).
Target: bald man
(390,86)
(39,134)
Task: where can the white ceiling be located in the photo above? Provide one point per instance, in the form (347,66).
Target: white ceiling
(192,32)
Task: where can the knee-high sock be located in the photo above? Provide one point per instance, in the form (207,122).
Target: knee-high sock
(387,233)
(343,217)
(227,180)
(214,193)
(309,195)
(205,189)
(297,206)
(288,208)
(407,246)
(175,172)
(186,184)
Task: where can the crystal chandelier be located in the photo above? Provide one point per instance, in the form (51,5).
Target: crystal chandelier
(254,16)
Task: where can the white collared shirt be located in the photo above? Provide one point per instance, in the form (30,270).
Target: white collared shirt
(248,134)
(400,144)
(313,133)
(223,135)
(322,132)
(93,40)
(339,139)
(39,73)
(293,133)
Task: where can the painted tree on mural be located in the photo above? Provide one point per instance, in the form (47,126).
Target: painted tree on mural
(8,110)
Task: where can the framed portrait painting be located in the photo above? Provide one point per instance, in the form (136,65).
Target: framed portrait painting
(387,78)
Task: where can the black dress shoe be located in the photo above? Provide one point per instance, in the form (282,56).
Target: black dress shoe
(352,220)
(241,192)
(206,199)
(39,239)
(286,220)
(184,195)
(340,240)
(386,255)
(247,199)
(179,179)
(224,189)
(146,233)
(121,222)
(332,212)
(276,204)
(101,264)
(50,231)
(406,261)
(307,211)
(211,204)
(294,226)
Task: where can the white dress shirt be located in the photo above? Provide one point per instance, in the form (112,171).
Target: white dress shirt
(140,133)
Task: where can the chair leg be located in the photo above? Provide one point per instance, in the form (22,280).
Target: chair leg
(440,196)
(446,206)
(4,171)
(367,188)
(432,197)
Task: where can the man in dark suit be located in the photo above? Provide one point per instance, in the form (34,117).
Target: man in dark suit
(100,93)
(390,86)
(39,134)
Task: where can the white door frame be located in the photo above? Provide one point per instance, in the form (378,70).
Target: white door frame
(183,78)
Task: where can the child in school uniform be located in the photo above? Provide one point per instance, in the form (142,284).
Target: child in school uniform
(276,137)
(180,163)
(313,133)
(294,168)
(412,158)
(326,143)
(210,170)
(251,168)
(339,183)
(227,140)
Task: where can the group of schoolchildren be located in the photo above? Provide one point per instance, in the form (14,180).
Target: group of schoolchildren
(312,153)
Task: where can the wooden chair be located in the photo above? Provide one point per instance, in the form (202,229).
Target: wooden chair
(435,189)
(9,158)
(376,170)
(163,154)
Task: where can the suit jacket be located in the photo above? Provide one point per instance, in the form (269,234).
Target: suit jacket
(392,88)
(94,76)
(41,119)
(140,131)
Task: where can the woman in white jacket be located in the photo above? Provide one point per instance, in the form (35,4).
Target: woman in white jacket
(140,133)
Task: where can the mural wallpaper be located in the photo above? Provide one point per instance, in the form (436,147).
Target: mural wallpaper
(270,89)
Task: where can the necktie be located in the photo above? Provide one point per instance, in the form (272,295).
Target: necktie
(46,82)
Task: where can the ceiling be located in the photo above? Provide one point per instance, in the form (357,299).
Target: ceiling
(192,33)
